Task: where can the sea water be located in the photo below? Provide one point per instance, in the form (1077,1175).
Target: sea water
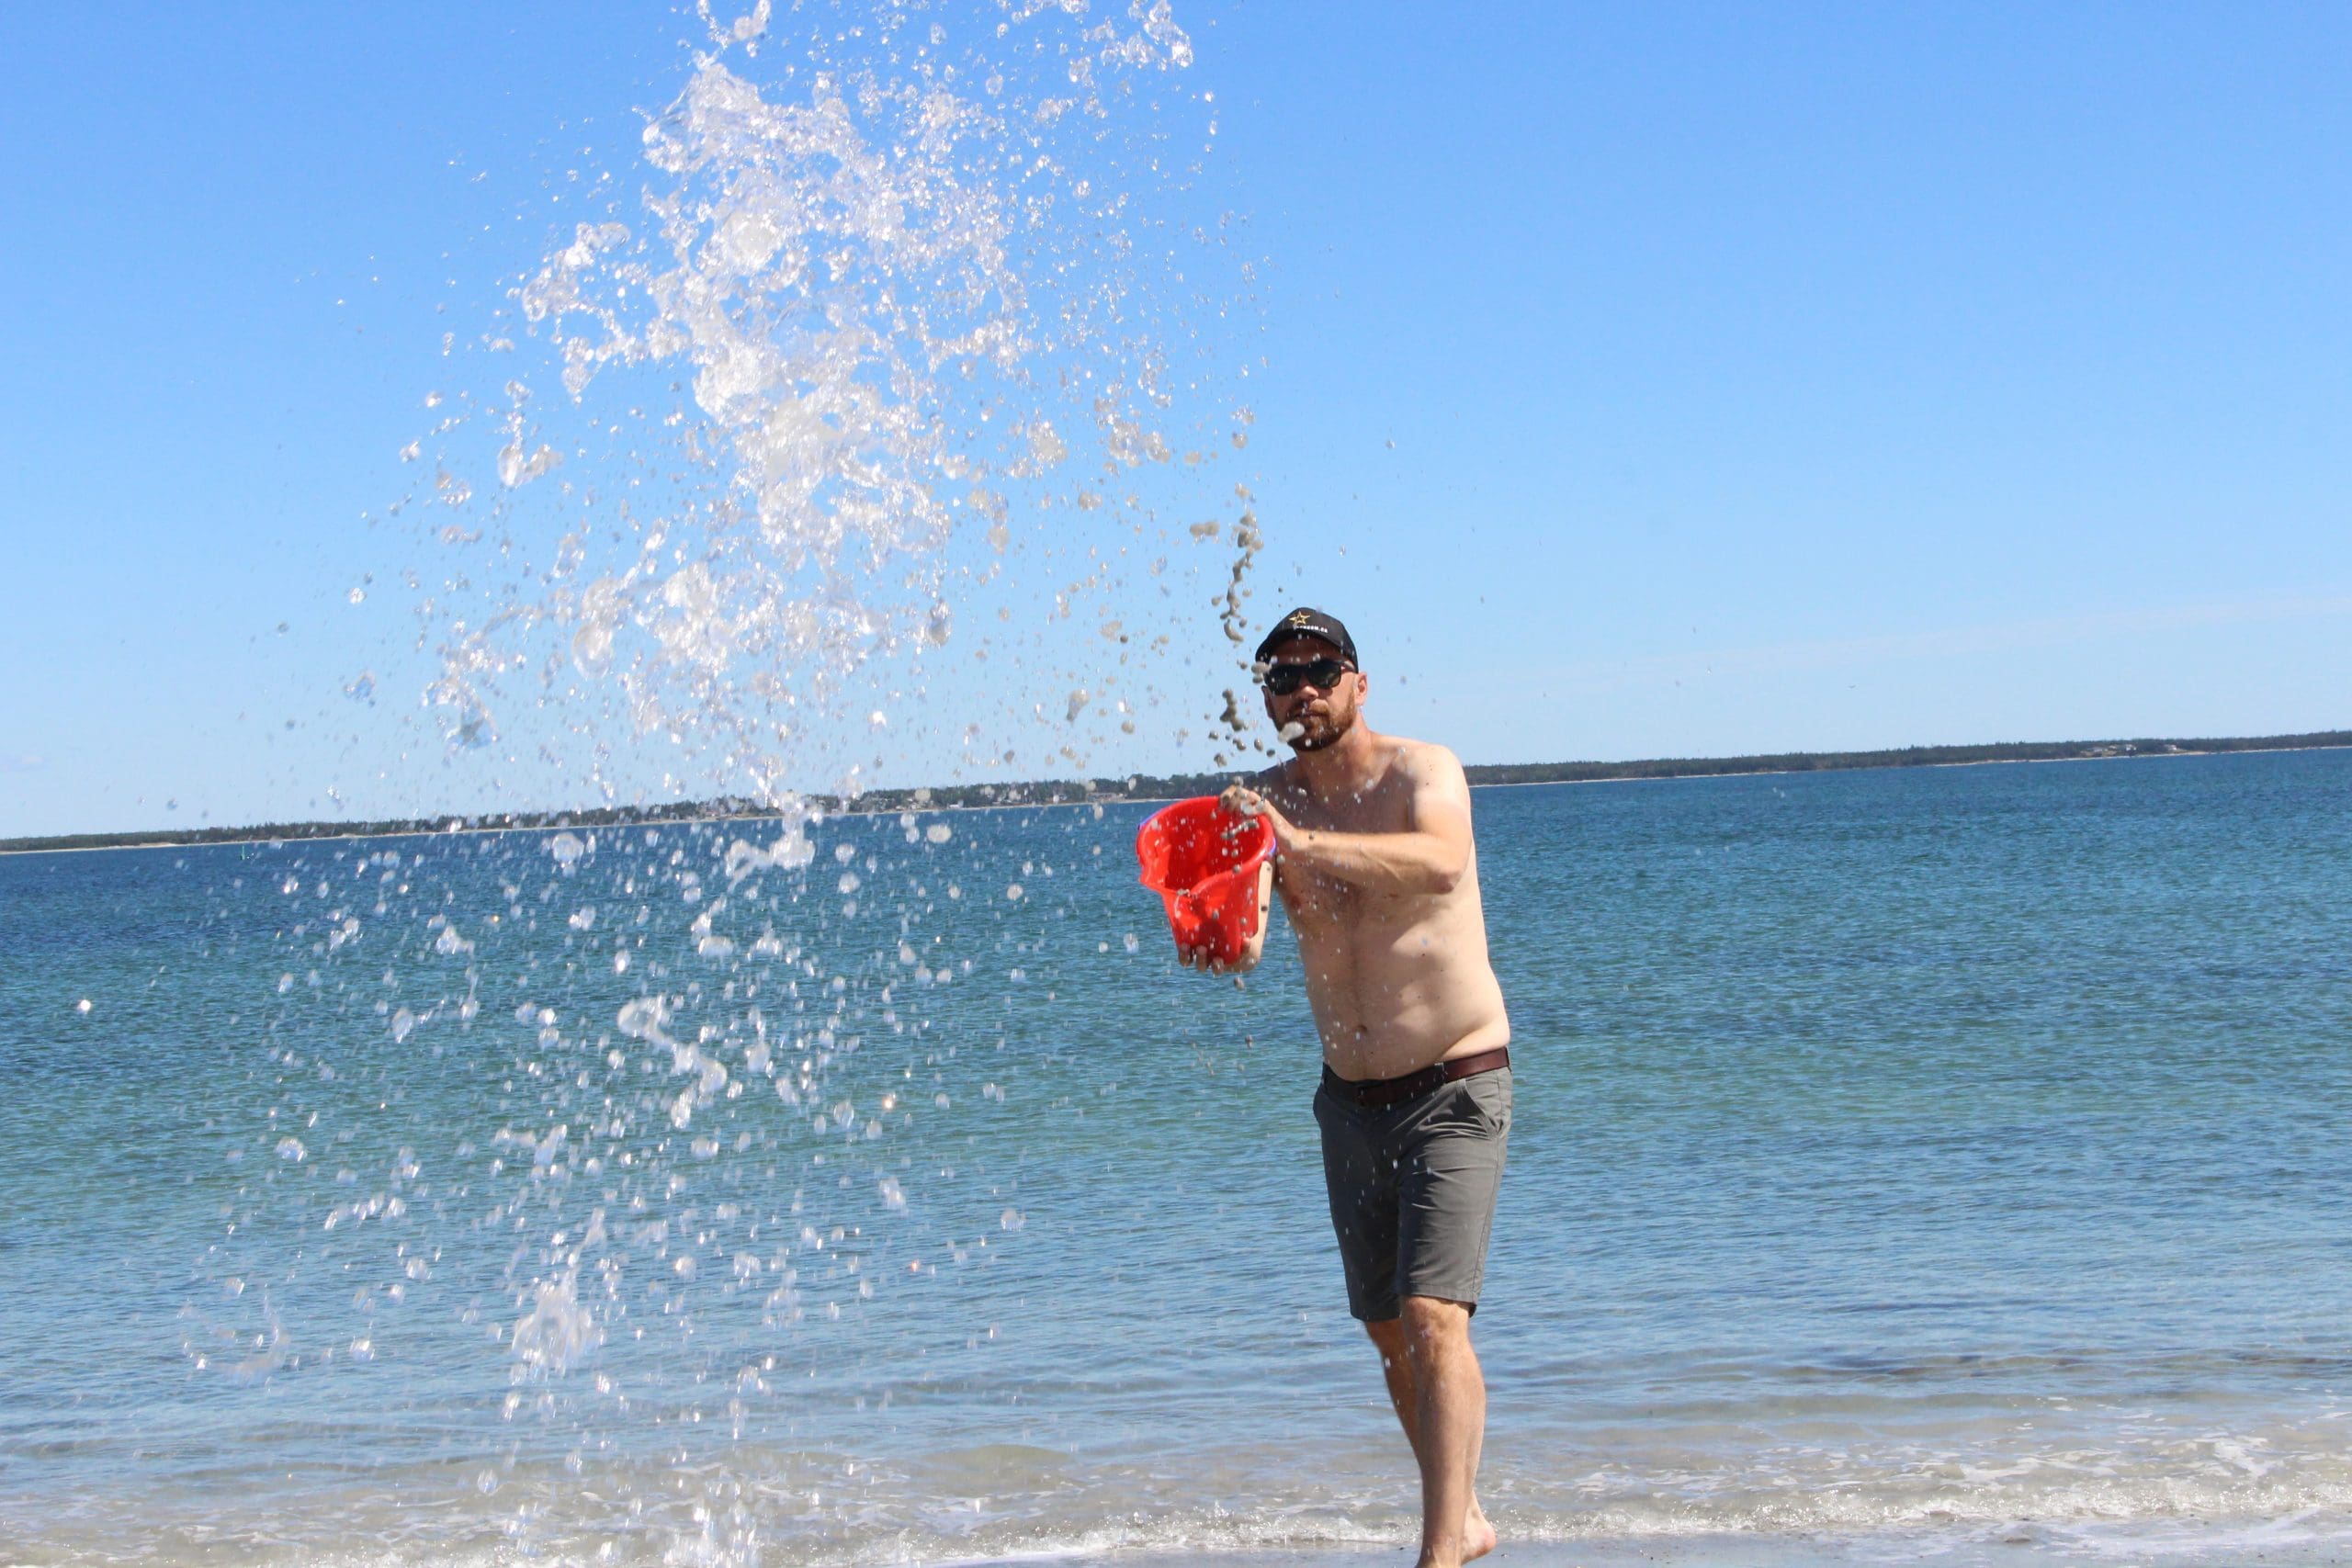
(1944,1163)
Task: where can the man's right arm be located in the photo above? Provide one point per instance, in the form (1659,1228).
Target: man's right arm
(1431,856)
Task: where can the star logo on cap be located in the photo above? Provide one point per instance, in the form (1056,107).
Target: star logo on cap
(1307,621)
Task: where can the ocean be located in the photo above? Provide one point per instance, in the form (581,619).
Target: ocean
(1942,1164)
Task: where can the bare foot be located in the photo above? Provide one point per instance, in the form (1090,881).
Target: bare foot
(1478,1539)
(1477,1535)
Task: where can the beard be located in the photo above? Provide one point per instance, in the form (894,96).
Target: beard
(1317,731)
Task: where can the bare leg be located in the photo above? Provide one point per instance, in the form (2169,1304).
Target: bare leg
(1448,1404)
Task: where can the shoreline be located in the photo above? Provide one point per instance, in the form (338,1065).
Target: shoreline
(1176,787)
(1892,767)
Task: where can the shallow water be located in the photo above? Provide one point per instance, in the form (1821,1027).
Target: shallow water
(1941,1163)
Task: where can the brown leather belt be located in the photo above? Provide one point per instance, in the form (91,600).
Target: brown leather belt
(1374,1094)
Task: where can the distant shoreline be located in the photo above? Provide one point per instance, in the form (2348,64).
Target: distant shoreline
(1141,789)
(2182,749)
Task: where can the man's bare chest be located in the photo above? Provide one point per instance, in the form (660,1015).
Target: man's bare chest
(1316,901)
(1380,810)
(1318,898)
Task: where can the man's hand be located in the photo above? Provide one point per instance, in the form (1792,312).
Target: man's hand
(1199,958)
(1243,801)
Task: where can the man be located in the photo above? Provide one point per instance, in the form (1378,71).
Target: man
(1375,865)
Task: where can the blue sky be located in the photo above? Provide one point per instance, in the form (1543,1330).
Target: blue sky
(1638,380)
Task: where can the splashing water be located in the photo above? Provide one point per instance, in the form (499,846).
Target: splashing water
(873,314)
(898,332)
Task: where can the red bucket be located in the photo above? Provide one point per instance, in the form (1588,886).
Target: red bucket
(1203,861)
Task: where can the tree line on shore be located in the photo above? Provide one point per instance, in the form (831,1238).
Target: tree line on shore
(1078,792)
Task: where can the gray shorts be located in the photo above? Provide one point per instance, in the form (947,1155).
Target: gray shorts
(1413,1191)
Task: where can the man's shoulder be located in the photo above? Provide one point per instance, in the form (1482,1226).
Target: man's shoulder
(1425,761)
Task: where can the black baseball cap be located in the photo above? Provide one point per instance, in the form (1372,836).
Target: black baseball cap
(1302,622)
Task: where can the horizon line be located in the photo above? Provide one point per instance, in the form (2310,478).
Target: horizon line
(1142,788)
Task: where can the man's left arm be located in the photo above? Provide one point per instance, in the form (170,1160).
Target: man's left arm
(1432,856)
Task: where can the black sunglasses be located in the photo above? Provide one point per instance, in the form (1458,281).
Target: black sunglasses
(1321,673)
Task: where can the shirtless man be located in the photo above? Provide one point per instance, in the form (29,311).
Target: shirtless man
(1375,863)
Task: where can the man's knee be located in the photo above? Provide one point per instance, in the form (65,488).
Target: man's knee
(1432,1320)
(1388,1335)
